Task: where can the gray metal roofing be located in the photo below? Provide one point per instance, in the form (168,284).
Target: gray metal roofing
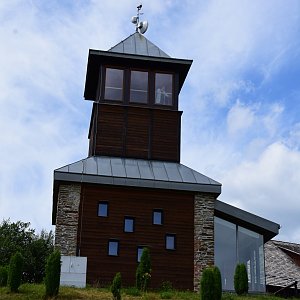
(138,173)
(139,45)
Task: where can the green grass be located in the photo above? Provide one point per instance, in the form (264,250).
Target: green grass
(37,291)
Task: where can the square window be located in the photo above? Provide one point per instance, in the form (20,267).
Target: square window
(139,87)
(170,241)
(113,248)
(157,217)
(163,89)
(113,84)
(128,224)
(140,252)
(103,209)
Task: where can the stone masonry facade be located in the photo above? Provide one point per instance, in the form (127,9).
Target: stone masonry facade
(203,234)
(67,219)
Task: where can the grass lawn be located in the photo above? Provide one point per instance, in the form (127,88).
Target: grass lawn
(37,291)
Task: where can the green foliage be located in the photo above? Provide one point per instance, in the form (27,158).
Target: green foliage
(166,286)
(133,291)
(3,276)
(19,237)
(116,286)
(217,283)
(166,295)
(207,284)
(52,274)
(241,279)
(15,272)
(143,272)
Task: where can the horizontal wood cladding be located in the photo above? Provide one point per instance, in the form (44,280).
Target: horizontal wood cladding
(135,132)
(175,266)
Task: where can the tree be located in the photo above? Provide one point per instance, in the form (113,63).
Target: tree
(217,283)
(52,278)
(143,272)
(15,272)
(116,286)
(241,279)
(19,237)
(207,284)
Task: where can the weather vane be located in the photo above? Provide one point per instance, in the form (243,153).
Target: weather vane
(140,26)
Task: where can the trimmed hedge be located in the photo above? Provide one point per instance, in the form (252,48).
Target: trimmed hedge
(241,279)
(211,284)
(15,272)
(52,278)
(217,283)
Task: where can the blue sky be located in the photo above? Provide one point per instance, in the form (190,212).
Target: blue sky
(241,99)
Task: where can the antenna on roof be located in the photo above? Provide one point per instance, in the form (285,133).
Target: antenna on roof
(140,26)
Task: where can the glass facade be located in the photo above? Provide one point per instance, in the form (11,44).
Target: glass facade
(235,244)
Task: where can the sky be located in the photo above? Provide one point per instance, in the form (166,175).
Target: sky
(240,100)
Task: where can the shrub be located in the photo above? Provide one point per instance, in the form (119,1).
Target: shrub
(217,283)
(133,291)
(116,286)
(15,272)
(241,279)
(3,276)
(52,274)
(166,286)
(143,272)
(166,295)
(207,284)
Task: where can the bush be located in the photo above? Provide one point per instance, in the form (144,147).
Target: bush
(116,286)
(52,274)
(133,291)
(143,272)
(3,276)
(166,286)
(241,279)
(217,284)
(15,272)
(207,284)
(166,295)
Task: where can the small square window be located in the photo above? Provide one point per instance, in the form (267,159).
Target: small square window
(113,248)
(170,241)
(157,217)
(128,224)
(103,209)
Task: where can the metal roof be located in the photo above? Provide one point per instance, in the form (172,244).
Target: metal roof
(137,44)
(137,173)
(241,217)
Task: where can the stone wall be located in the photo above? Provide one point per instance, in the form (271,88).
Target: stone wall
(203,234)
(67,219)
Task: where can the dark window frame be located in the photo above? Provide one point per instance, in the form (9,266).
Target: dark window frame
(127,84)
(133,224)
(140,247)
(118,247)
(161,211)
(107,209)
(173,235)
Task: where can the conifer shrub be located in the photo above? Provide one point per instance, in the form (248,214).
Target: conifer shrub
(241,279)
(15,272)
(207,284)
(217,283)
(143,271)
(3,275)
(116,286)
(52,277)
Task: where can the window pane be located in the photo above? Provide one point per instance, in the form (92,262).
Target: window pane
(225,251)
(139,87)
(170,242)
(128,224)
(157,217)
(251,253)
(114,84)
(164,89)
(103,209)
(113,248)
(139,253)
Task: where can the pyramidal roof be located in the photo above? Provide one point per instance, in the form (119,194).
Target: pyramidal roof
(137,44)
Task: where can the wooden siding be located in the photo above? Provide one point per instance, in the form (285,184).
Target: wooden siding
(136,132)
(94,233)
